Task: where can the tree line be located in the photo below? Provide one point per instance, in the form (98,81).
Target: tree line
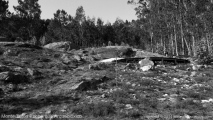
(180,27)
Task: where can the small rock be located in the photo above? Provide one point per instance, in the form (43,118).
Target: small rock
(129,106)
(40,65)
(77,57)
(4,75)
(63,110)
(186,116)
(11,53)
(18,69)
(133,85)
(193,74)
(62,71)
(128,83)
(31,71)
(173,100)
(88,58)
(176,80)
(103,96)
(12,87)
(65,59)
(162,99)
(146,64)
(48,112)
(34,73)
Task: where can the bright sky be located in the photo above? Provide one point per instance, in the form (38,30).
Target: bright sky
(107,10)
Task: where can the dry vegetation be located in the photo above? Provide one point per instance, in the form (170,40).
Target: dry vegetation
(67,88)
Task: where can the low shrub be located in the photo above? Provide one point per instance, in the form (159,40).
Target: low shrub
(95,109)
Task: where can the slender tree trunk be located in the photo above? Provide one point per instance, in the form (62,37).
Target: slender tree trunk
(207,42)
(151,35)
(176,45)
(182,37)
(164,47)
(188,47)
(172,46)
(193,46)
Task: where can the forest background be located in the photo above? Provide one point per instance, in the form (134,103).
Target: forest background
(179,27)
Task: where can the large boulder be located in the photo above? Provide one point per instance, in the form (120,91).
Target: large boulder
(60,46)
(146,64)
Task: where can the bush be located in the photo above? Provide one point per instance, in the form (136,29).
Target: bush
(203,54)
(116,95)
(95,109)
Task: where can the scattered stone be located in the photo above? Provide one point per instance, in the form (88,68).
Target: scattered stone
(77,57)
(176,80)
(88,58)
(48,112)
(133,85)
(10,52)
(33,72)
(5,76)
(146,64)
(103,96)
(12,87)
(193,73)
(186,116)
(129,106)
(65,59)
(40,65)
(18,69)
(207,101)
(63,110)
(161,99)
(173,100)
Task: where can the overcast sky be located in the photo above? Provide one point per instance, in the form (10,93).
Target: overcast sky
(107,10)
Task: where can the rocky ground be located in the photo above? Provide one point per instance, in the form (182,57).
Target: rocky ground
(47,84)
